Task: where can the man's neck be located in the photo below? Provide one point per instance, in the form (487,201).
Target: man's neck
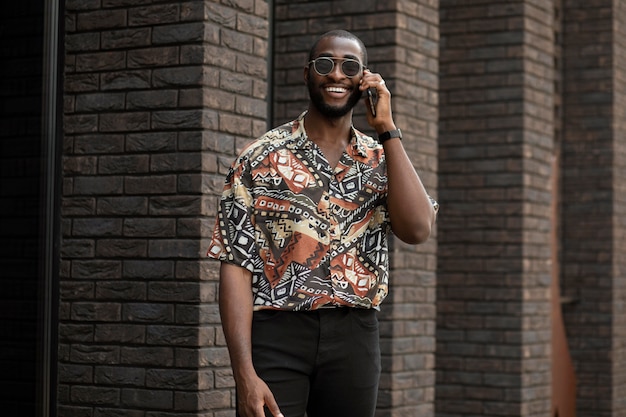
(325,129)
(330,135)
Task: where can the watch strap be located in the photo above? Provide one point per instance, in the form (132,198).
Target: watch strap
(389,134)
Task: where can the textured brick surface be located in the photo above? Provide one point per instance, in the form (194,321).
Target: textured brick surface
(160,96)
(593,203)
(154,95)
(496,141)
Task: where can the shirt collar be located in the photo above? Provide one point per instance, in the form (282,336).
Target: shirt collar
(301,140)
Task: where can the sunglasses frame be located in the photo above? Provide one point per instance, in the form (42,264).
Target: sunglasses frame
(332,60)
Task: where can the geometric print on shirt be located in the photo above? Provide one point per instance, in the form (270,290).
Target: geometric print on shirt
(312,236)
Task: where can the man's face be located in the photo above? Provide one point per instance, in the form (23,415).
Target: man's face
(334,95)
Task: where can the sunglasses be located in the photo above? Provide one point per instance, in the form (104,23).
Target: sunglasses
(324,65)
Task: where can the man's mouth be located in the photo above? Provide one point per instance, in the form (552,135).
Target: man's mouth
(336,90)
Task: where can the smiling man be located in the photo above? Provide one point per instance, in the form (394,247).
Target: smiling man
(302,239)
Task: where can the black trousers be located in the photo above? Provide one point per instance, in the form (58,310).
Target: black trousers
(325,362)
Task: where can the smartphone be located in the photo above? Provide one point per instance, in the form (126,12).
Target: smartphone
(371,99)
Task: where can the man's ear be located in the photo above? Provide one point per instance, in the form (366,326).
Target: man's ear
(306,74)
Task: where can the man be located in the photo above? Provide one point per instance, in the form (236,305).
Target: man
(302,240)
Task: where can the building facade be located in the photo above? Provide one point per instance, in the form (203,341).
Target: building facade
(120,119)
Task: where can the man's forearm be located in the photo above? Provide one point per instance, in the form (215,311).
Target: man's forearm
(411,212)
(236,312)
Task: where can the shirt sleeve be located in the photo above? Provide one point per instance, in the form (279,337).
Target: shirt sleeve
(233,239)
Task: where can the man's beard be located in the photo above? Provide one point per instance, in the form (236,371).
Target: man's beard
(332,112)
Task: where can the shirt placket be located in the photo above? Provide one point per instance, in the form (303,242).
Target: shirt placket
(334,228)
(339,283)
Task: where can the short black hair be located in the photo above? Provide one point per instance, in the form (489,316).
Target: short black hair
(339,33)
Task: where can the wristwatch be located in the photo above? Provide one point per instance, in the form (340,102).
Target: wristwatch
(389,134)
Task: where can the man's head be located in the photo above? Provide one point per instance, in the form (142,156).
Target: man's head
(339,34)
(333,81)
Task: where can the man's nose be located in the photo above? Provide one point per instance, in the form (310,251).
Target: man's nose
(336,72)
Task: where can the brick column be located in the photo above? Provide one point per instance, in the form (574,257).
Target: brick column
(594,204)
(496,141)
(158,97)
(402,41)
(410,54)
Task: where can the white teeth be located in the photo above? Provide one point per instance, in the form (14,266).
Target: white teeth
(335,90)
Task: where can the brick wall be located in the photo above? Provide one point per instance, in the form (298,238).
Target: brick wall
(238,57)
(158,97)
(409,342)
(495,150)
(593,202)
(401,38)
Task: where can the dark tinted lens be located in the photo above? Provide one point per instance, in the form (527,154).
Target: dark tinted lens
(323,65)
(350,68)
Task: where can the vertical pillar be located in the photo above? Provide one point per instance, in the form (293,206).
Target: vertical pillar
(593,202)
(495,151)
(158,97)
(619,213)
(411,58)
(402,41)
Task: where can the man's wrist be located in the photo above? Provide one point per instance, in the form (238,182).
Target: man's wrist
(390,134)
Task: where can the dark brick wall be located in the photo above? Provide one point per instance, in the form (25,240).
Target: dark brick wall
(495,150)
(593,203)
(158,97)
(402,42)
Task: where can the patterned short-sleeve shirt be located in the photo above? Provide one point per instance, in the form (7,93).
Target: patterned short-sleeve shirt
(311,236)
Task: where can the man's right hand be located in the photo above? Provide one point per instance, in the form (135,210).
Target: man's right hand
(254,394)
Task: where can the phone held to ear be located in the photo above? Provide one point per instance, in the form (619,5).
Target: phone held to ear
(372,101)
